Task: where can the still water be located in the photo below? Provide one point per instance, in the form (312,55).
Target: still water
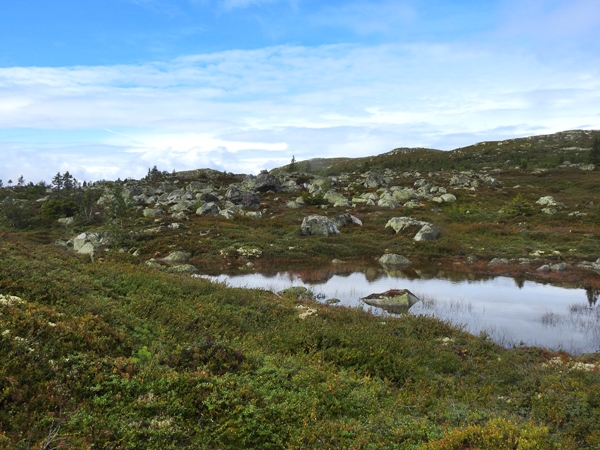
(510,311)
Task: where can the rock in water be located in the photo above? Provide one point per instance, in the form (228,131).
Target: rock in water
(396,301)
(390,259)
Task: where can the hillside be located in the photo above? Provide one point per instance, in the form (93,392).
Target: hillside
(544,151)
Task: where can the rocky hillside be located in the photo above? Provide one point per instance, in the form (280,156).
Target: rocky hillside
(545,151)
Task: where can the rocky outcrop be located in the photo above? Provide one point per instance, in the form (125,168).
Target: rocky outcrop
(318,226)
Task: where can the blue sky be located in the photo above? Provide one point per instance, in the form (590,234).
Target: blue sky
(109,88)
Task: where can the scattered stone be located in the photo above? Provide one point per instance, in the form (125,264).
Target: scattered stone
(427,233)
(177,257)
(544,268)
(180,216)
(318,226)
(560,267)
(151,212)
(337,261)
(306,311)
(242,198)
(546,201)
(332,301)
(549,211)
(448,198)
(390,259)
(498,261)
(66,221)
(208,209)
(346,219)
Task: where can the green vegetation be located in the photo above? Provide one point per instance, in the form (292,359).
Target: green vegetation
(112,355)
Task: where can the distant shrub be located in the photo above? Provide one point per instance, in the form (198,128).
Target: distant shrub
(56,208)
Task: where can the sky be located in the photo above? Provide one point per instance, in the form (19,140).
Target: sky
(107,89)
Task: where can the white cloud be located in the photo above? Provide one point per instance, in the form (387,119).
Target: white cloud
(242,110)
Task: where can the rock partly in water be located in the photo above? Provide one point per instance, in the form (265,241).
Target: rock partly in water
(391,259)
(296,292)
(396,301)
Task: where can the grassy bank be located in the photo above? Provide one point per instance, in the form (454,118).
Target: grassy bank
(112,355)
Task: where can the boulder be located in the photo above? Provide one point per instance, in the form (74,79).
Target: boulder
(153,212)
(399,224)
(448,198)
(374,180)
(180,216)
(296,292)
(318,226)
(396,301)
(207,197)
(346,219)
(66,221)
(242,198)
(208,209)
(547,201)
(387,203)
(336,199)
(427,233)
(177,257)
(390,259)
(265,182)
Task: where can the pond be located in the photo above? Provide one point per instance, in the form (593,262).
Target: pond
(510,311)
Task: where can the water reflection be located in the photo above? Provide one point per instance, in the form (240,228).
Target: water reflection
(511,311)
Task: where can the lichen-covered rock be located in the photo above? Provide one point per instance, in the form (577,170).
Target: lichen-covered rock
(208,209)
(346,219)
(390,259)
(177,257)
(265,182)
(153,212)
(546,201)
(395,301)
(242,198)
(318,226)
(399,224)
(427,233)
(336,199)
(448,198)
(374,180)
(296,292)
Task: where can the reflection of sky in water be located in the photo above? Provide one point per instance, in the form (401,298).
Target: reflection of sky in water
(509,314)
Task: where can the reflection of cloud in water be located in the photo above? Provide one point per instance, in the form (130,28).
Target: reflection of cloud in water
(506,310)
